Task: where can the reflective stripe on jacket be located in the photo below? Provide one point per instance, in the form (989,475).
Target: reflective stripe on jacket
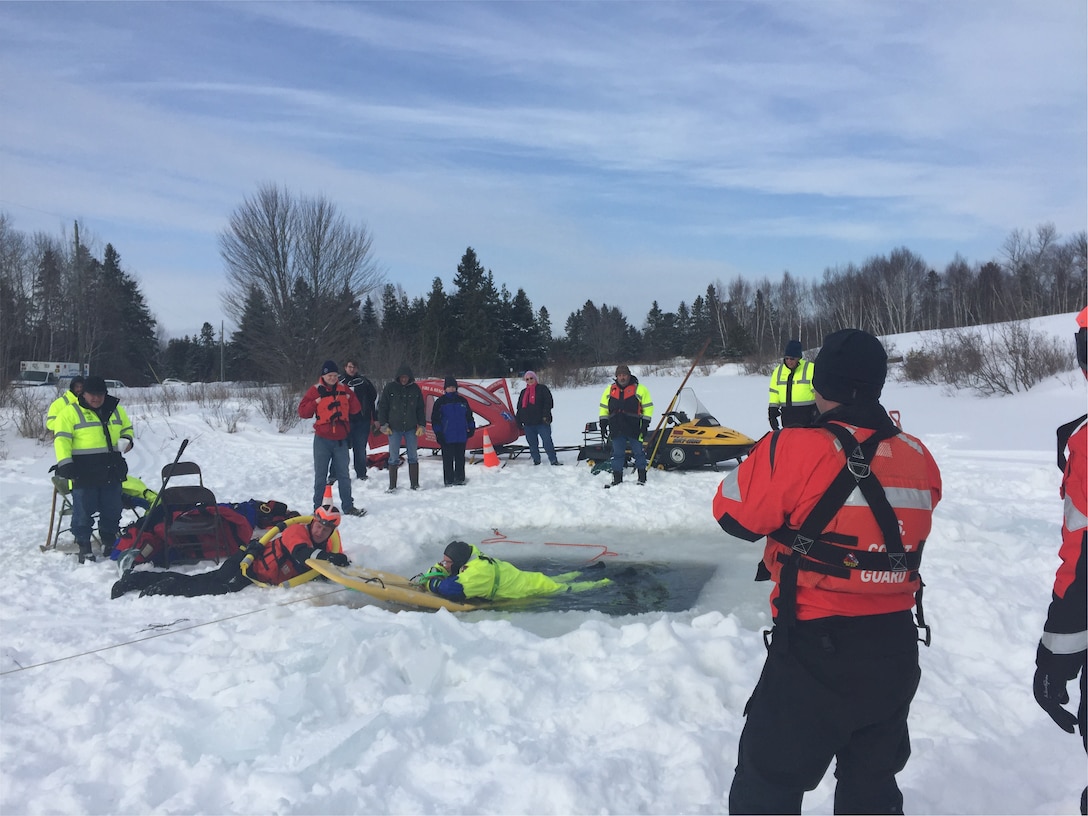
(1066,630)
(783,480)
(792,386)
(490,579)
(82,437)
(626,407)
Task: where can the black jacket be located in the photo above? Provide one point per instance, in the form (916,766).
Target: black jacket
(365,392)
(401,406)
(536,413)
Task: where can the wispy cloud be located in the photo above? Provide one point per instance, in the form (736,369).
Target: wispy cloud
(566,141)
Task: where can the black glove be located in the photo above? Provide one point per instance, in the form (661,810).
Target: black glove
(603,425)
(67,470)
(1052,672)
(645,427)
(322,391)
(772,417)
(336,559)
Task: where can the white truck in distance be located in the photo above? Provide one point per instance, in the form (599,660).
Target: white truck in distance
(36,372)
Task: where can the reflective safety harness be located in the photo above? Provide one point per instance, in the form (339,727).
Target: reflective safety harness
(811,552)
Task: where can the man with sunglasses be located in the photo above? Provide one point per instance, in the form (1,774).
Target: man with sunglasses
(274,563)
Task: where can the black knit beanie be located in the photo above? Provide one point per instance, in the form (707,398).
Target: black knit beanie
(850,368)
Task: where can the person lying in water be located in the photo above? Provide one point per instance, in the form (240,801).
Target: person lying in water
(465,573)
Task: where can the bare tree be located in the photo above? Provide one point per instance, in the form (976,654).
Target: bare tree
(312,265)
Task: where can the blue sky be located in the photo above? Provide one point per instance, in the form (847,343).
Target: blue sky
(619,152)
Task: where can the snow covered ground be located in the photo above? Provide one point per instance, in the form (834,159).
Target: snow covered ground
(314,700)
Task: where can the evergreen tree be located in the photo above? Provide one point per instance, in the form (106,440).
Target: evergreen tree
(474,305)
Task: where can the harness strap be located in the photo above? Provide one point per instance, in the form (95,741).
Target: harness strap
(811,553)
(1064,432)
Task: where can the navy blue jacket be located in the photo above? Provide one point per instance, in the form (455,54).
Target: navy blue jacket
(451,419)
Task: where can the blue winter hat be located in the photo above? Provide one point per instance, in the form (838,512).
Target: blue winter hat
(329,367)
(450,382)
(793,349)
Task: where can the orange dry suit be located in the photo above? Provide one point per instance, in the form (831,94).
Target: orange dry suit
(284,557)
(864,559)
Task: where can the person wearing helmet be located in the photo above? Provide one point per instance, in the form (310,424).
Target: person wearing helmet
(1063,649)
(273,563)
(465,573)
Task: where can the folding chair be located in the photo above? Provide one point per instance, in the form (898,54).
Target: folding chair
(64,491)
(192,526)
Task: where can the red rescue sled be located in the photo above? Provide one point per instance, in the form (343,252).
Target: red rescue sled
(492,406)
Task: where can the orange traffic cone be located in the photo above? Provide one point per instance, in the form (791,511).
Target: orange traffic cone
(491,459)
(326,501)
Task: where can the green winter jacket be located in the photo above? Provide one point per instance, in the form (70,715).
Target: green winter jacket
(489,579)
(401,407)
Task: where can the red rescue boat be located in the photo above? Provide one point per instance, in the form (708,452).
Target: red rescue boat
(491,404)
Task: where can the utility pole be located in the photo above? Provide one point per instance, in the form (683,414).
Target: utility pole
(221,351)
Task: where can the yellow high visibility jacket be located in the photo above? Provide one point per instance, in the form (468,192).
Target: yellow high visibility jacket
(791,393)
(89,440)
(59,404)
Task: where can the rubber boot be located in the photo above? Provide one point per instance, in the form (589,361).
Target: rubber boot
(642,475)
(617,476)
(392,479)
(85,553)
(413,475)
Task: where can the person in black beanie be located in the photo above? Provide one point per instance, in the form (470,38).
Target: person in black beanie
(453,424)
(790,393)
(846,506)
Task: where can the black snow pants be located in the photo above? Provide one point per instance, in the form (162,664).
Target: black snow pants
(834,688)
(227,578)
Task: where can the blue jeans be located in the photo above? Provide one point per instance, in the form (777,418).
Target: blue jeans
(331,462)
(104,500)
(410,446)
(545,434)
(619,446)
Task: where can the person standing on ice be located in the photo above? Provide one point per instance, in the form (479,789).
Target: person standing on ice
(626,409)
(402,416)
(534,416)
(363,422)
(791,396)
(846,506)
(89,438)
(1063,649)
(452,423)
(465,573)
(331,403)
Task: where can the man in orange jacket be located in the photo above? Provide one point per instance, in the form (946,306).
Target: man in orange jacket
(846,506)
(331,404)
(1063,648)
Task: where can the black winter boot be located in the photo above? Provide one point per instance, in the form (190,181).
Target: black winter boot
(617,476)
(642,475)
(85,553)
(413,475)
(392,479)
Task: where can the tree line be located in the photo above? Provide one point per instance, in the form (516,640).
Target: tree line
(303,285)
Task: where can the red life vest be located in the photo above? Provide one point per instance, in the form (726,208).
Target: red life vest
(331,413)
(846,567)
(275,563)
